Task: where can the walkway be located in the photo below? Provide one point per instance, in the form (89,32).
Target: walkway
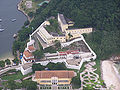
(88,76)
(7,69)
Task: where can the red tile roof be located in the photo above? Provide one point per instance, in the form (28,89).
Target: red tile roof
(27,53)
(28,59)
(69,52)
(49,74)
(31,48)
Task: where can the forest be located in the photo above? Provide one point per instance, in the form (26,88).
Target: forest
(102,15)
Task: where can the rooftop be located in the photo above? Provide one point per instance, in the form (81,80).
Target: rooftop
(27,53)
(59,74)
(44,32)
(31,48)
(69,52)
(26,66)
(62,18)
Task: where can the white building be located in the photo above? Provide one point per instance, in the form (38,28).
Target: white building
(27,54)
(26,68)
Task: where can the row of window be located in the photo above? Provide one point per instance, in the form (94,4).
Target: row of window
(54,81)
(79,31)
(59,38)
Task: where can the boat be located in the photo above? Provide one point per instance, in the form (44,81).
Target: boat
(0,20)
(1,30)
(13,20)
(15,35)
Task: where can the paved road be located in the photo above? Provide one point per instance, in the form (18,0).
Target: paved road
(7,69)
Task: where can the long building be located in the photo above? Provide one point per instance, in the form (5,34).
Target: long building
(65,23)
(62,77)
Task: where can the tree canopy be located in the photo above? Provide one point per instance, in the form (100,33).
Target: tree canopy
(102,16)
(37,67)
(29,85)
(7,61)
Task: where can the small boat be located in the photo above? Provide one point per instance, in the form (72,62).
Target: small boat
(15,35)
(0,20)
(1,30)
(13,20)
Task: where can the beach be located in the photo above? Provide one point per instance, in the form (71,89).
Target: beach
(7,56)
(109,75)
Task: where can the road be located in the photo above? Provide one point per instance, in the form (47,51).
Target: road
(7,69)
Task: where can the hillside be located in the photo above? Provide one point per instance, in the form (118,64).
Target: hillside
(102,15)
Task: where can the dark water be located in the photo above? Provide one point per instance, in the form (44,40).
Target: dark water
(8,11)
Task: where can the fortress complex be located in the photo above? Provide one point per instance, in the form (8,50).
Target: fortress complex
(67,34)
(65,23)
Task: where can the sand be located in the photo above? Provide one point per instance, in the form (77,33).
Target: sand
(110,77)
(7,56)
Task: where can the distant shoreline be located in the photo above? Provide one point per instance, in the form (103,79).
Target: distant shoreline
(19,9)
(7,56)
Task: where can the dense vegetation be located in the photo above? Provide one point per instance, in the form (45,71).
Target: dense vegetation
(53,27)
(103,16)
(50,66)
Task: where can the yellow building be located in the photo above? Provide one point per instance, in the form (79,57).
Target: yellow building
(62,22)
(62,77)
(77,32)
(65,23)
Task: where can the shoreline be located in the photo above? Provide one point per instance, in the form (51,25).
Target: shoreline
(109,75)
(116,71)
(19,9)
(7,56)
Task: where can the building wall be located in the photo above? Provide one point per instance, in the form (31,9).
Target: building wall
(28,57)
(63,26)
(60,38)
(48,81)
(48,41)
(24,72)
(77,32)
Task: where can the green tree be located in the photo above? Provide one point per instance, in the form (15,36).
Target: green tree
(26,23)
(29,85)
(7,61)
(16,61)
(11,85)
(30,14)
(50,50)
(38,54)
(2,63)
(76,83)
(37,67)
(70,36)
(56,66)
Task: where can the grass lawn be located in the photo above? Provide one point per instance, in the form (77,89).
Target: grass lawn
(98,67)
(17,75)
(34,6)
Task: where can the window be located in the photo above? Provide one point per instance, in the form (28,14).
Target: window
(63,81)
(45,81)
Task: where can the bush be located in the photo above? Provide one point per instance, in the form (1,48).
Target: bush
(7,61)
(37,67)
(56,66)
(76,83)
(2,63)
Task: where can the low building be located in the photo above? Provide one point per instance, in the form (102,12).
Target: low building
(26,68)
(62,77)
(28,4)
(27,54)
(62,22)
(77,32)
(69,54)
(65,23)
